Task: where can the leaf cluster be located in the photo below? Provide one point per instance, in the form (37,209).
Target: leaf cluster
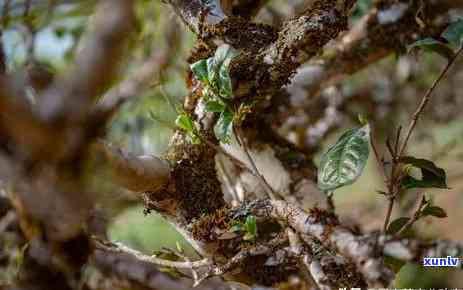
(214,75)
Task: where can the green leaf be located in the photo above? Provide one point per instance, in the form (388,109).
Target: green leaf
(433,45)
(344,162)
(214,71)
(215,106)
(396,225)
(223,129)
(434,211)
(184,122)
(251,228)
(199,69)
(225,83)
(218,70)
(432,176)
(454,33)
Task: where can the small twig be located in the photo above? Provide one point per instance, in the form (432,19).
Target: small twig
(390,149)
(121,248)
(271,193)
(298,250)
(396,174)
(330,202)
(425,100)
(388,213)
(397,139)
(182,255)
(416,215)
(379,159)
(240,257)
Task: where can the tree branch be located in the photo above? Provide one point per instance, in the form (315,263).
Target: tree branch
(373,38)
(136,173)
(126,265)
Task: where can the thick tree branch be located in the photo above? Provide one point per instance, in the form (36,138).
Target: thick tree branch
(299,38)
(362,250)
(339,238)
(136,173)
(126,265)
(374,37)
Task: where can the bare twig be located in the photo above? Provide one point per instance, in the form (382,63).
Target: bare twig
(271,193)
(425,100)
(390,206)
(121,248)
(395,176)
(240,257)
(126,266)
(416,215)
(397,140)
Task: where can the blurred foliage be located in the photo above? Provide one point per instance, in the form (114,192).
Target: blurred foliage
(148,233)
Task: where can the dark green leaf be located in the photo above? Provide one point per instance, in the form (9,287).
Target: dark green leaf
(215,106)
(396,225)
(225,84)
(434,211)
(223,129)
(432,176)
(454,33)
(199,69)
(433,45)
(344,162)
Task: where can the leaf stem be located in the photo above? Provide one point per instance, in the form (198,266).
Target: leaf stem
(271,193)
